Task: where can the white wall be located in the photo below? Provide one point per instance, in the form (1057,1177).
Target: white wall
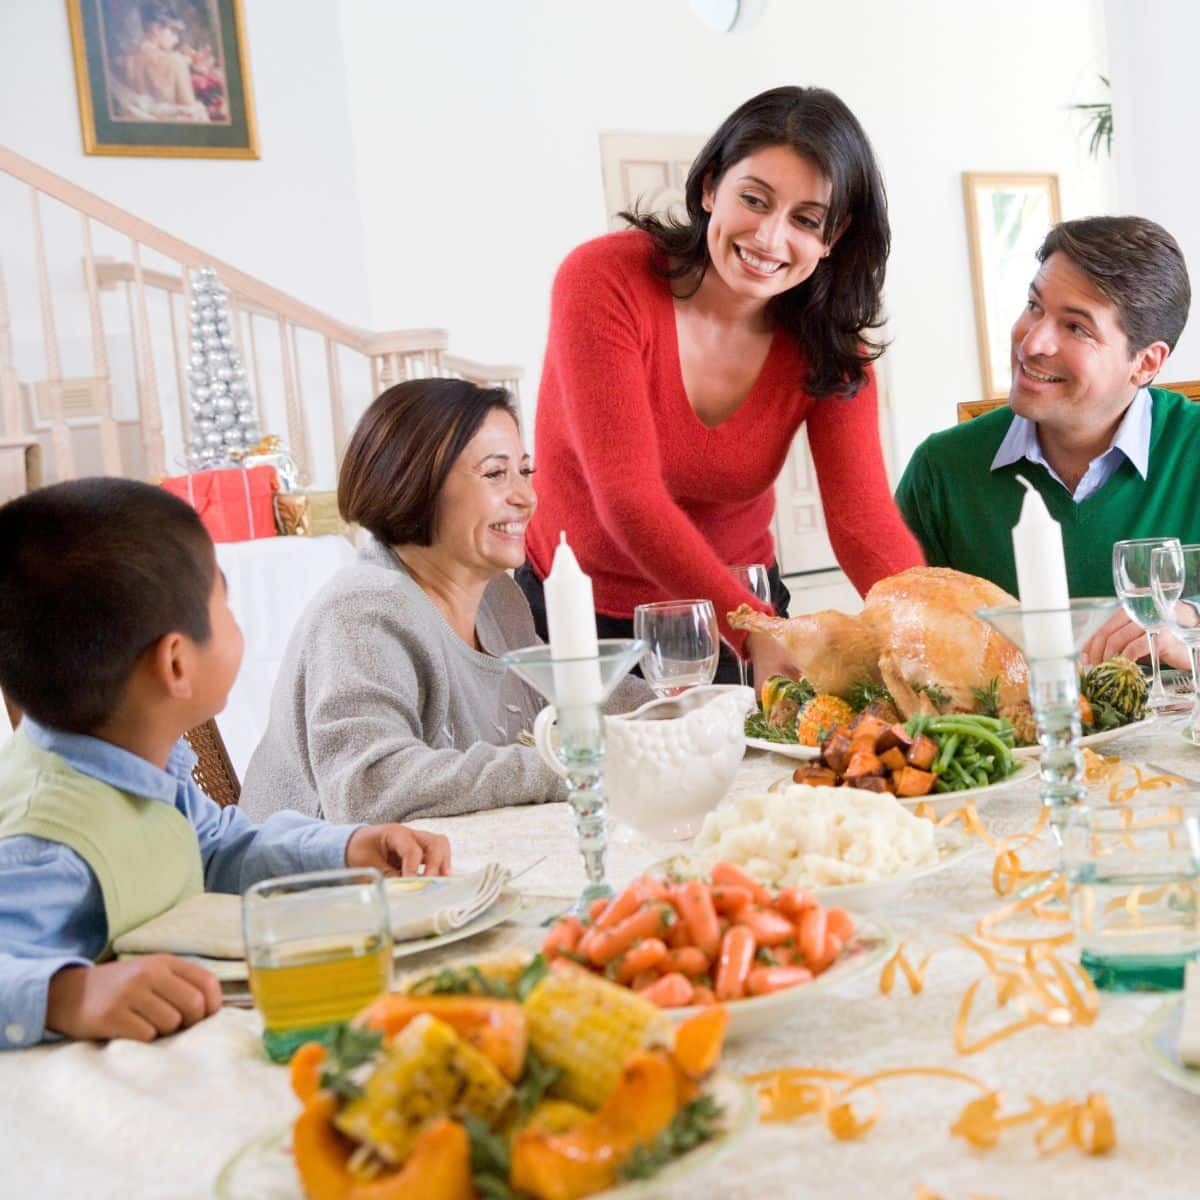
(476,126)
(1155,110)
(290,218)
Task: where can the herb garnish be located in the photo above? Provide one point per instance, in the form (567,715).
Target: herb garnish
(988,698)
(693,1124)
(471,981)
(349,1048)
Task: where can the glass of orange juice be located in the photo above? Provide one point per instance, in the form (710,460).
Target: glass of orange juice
(319,948)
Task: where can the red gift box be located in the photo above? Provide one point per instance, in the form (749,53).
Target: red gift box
(234,504)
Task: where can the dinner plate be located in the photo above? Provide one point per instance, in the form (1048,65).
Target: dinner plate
(873,941)
(232,970)
(1160,1045)
(264,1170)
(1092,739)
(787,749)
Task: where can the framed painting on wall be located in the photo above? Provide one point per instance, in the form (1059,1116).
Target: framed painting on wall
(1007,218)
(165,78)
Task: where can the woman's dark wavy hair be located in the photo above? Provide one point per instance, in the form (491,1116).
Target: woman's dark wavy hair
(829,313)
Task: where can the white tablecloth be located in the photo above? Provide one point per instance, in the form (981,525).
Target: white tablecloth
(159,1121)
(271,580)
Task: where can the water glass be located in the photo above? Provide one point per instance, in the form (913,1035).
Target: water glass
(1175,579)
(1133,873)
(319,948)
(1131,565)
(754,578)
(682,644)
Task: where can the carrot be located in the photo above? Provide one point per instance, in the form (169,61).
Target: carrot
(696,907)
(727,873)
(737,956)
(650,888)
(650,921)
(729,900)
(763,980)
(829,953)
(769,928)
(793,901)
(679,936)
(671,991)
(596,908)
(839,921)
(625,905)
(647,954)
(639,983)
(703,995)
(687,960)
(810,934)
(563,937)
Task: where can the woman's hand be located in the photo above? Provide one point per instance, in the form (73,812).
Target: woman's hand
(1120,635)
(398,850)
(769,657)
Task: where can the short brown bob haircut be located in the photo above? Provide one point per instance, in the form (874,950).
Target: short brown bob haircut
(1135,264)
(402,449)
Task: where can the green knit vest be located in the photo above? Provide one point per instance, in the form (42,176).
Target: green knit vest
(963,512)
(143,852)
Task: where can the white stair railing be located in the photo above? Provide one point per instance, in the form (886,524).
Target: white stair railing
(311,375)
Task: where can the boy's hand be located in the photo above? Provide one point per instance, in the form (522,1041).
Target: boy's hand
(138,998)
(398,850)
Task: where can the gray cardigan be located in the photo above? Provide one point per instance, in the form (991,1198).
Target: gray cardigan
(382,713)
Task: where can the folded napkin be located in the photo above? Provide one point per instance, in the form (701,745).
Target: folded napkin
(1189,1025)
(210,925)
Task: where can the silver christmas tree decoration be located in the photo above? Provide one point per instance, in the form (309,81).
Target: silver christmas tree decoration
(224,423)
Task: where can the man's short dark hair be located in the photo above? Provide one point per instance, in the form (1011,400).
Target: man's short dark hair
(1134,263)
(402,449)
(92,573)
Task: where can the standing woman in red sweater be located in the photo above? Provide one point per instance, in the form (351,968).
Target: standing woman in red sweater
(683,357)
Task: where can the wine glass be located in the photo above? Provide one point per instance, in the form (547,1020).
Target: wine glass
(754,578)
(1131,580)
(682,644)
(1175,581)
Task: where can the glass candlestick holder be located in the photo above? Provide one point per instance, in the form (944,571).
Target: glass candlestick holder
(1051,641)
(578,688)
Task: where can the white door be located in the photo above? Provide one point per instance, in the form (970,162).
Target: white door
(651,169)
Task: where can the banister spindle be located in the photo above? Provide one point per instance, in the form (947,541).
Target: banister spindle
(60,435)
(150,415)
(110,441)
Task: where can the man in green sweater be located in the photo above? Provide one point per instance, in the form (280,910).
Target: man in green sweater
(1112,457)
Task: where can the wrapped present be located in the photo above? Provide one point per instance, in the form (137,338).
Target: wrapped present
(271,452)
(235,503)
(308,514)
(291,514)
(323,514)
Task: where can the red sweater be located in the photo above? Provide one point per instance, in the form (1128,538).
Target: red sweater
(654,503)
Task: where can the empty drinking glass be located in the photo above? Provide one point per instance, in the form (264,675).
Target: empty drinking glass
(682,644)
(754,578)
(1131,580)
(1175,581)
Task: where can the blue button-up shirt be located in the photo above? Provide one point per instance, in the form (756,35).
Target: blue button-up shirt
(51,908)
(1131,443)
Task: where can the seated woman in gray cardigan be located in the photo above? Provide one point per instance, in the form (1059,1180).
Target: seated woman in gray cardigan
(390,702)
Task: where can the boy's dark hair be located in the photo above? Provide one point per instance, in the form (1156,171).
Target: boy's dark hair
(93,572)
(402,449)
(1134,263)
(831,313)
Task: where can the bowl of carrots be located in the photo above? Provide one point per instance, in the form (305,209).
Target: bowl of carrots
(725,939)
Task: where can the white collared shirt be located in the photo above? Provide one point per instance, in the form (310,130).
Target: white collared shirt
(1131,442)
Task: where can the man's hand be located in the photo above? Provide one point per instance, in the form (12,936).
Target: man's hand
(137,998)
(398,850)
(769,657)
(1120,635)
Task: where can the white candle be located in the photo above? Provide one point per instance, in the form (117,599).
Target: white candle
(571,618)
(1042,578)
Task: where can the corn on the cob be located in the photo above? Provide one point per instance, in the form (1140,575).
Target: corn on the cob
(587,1027)
(427,1071)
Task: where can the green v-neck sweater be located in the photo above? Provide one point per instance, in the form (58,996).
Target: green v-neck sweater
(963,512)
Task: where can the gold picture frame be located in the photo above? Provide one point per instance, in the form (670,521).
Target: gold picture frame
(163,78)
(1007,218)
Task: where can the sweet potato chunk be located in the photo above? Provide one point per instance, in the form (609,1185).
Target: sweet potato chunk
(815,775)
(835,749)
(894,759)
(894,735)
(922,752)
(870,783)
(912,781)
(864,763)
(865,732)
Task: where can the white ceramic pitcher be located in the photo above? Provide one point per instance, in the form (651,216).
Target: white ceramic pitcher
(669,762)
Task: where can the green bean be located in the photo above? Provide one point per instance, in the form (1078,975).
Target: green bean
(983,735)
(946,752)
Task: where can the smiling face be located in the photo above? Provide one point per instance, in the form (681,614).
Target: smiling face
(487,500)
(766,231)
(1071,360)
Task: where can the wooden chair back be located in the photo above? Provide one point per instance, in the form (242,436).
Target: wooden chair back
(213,772)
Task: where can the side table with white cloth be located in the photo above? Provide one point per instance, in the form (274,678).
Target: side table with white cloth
(160,1120)
(270,581)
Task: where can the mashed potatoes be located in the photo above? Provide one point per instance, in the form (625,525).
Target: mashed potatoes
(815,837)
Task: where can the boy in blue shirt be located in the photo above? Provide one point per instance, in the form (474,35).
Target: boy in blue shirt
(115,639)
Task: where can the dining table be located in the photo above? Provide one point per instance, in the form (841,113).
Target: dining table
(162,1120)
